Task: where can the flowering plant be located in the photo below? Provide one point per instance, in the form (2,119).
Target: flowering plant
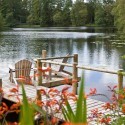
(113,110)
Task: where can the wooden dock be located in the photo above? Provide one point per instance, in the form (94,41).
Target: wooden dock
(51,81)
(31,95)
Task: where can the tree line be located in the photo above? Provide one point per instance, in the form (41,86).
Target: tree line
(62,13)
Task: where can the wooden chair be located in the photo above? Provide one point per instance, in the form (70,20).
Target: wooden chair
(59,70)
(22,70)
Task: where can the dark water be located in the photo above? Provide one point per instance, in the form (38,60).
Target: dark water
(95,47)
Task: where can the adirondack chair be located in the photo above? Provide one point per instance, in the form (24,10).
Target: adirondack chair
(59,70)
(21,71)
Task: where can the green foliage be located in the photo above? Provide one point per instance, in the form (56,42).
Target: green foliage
(60,12)
(2,22)
(10,21)
(80,115)
(27,112)
(46,13)
(119,14)
(57,18)
(79,13)
(34,17)
(103,15)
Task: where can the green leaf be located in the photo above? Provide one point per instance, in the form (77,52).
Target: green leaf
(27,112)
(80,116)
(79,107)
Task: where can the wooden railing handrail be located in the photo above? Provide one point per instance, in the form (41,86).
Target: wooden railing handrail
(50,58)
(82,67)
(98,69)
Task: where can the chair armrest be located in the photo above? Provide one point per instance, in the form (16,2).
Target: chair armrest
(11,68)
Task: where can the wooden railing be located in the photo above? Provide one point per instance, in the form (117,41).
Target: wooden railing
(75,66)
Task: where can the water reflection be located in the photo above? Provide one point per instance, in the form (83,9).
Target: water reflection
(92,45)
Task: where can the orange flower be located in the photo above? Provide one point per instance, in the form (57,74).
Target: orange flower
(43,92)
(12,123)
(1,90)
(66,81)
(107,106)
(105,120)
(44,70)
(92,91)
(95,113)
(54,120)
(40,103)
(3,109)
(65,89)
(53,92)
(123,108)
(15,107)
(14,90)
(72,96)
(121,96)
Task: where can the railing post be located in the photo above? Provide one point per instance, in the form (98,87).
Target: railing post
(44,53)
(39,97)
(75,74)
(120,79)
(50,72)
(120,82)
(0,82)
(39,71)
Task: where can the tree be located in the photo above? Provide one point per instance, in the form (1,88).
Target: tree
(34,17)
(47,7)
(103,15)
(119,15)
(91,5)
(79,13)
(2,21)
(11,9)
(67,13)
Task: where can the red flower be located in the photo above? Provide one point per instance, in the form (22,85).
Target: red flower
(54,120)
(105,120)
(1,90)
(53,92)
(15,107)
(92,91)
(95,113)
(43,92)
(72,96)
(107,106)
(40,103)
(14,90)
(65,89)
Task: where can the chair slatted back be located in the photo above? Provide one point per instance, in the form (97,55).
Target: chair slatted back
(63,61)
(60,68)
(23,68)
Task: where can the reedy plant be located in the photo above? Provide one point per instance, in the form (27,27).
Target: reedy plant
(80,115)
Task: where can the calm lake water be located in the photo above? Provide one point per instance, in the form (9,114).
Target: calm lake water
(96,47)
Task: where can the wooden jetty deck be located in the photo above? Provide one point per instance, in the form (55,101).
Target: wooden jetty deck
(32,93)
(55,81)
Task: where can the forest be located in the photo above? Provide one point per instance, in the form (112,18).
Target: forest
(48,13)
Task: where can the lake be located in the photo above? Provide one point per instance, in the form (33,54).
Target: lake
(96,47)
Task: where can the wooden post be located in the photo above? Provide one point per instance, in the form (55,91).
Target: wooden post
(44,53)
(39,97)
(75,74)
(120,79)
(0,82)
(120,82)
(39,71)
(50,72)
